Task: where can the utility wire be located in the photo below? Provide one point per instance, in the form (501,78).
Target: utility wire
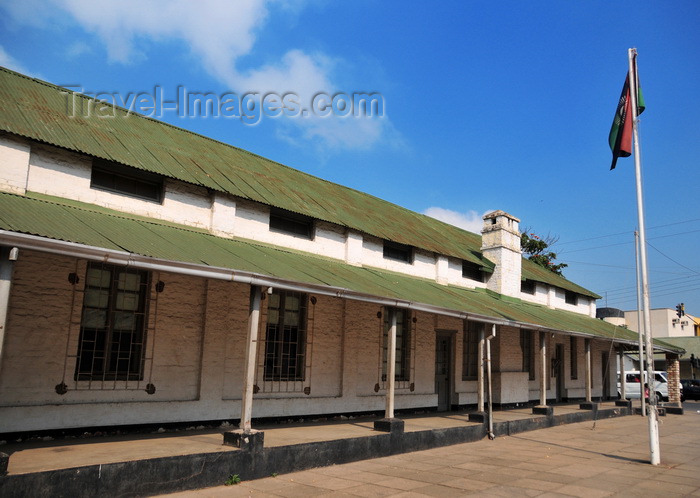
(597,264)
(634,299)
(675,279)
(673,260)
(629,242)
(627,232)
(656,292)
(656,285)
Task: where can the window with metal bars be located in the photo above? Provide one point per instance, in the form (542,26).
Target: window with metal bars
(112,338)
(285,336)
(403,345)
(527,339)
(470,353)
(573,357)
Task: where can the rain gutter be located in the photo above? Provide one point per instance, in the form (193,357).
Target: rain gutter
(113,256)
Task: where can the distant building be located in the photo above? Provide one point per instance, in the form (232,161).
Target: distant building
(666,323)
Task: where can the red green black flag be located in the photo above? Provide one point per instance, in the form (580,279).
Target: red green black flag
(620,138)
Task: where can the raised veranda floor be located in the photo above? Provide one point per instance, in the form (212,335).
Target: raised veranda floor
(171,461)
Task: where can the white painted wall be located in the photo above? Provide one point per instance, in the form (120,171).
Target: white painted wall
(541,295)
(555,298)
(14,164)
(61,173)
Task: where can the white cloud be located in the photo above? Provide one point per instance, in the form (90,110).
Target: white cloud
(218,34)
(217,30)
(10,62)
(78,49)
(471,220)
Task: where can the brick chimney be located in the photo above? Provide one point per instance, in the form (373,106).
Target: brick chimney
(500,243)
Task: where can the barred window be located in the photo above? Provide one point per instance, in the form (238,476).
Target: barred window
(470,356)
(526,345)
(112,332)
(403,345)
(573,356)
(285,338)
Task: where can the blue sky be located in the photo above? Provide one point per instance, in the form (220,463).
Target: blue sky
(488,105)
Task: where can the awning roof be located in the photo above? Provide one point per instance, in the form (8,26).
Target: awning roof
(88,225)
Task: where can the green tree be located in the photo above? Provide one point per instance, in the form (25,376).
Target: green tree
(535,248)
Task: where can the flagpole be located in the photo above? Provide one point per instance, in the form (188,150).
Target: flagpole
(640,326)
(652,413)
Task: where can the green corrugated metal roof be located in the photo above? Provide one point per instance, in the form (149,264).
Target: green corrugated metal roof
(37,110)
(85,224)
(690,344)
(533,271)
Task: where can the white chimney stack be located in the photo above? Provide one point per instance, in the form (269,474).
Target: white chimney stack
(500,243)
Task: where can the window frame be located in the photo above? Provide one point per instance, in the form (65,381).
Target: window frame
(402,370)
(394,250)
(275,368)
(470,350)
(527,347)
(102,170)
(472,271)
(573,357)
(528,286)
(571,297)
(110,366)
(290,223)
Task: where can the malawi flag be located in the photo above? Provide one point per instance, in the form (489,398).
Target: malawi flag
(620,138)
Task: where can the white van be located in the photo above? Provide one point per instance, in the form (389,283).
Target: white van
(634,386)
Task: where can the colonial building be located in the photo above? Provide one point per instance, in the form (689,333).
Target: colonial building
(151,275)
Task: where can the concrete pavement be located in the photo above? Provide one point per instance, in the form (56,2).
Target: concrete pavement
(604,458)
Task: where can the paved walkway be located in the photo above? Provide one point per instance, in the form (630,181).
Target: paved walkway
(606,458)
